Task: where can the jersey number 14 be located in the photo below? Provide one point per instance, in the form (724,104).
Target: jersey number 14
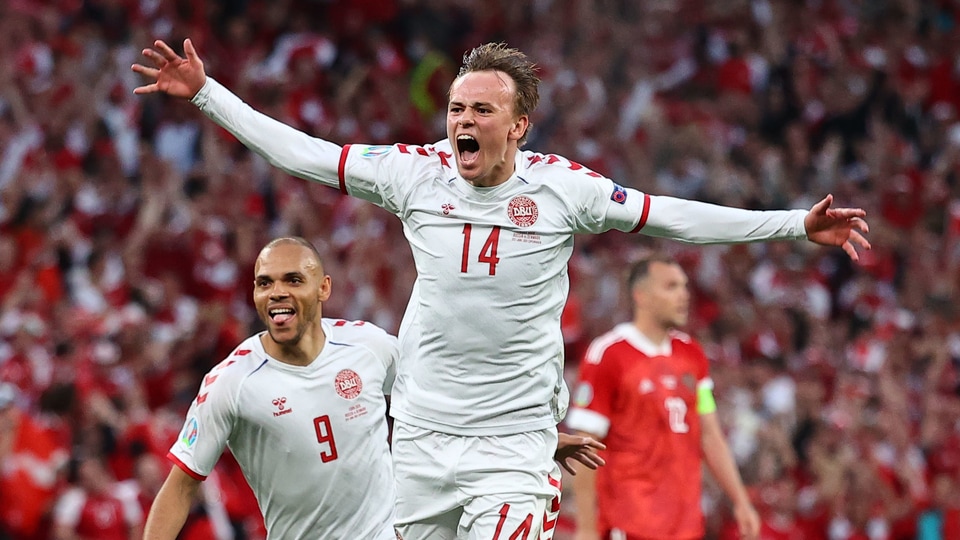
(488,253)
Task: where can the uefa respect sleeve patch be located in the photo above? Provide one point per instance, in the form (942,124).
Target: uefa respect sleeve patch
(374,151)
(619,194)
(584,395)
(190,432)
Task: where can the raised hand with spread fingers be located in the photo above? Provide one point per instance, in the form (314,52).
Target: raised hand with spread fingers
(837,227)
(172,73)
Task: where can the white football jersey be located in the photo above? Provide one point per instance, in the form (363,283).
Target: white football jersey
(481,348)
(312,440)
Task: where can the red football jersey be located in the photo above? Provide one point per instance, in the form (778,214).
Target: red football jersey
(101,516)
(641,398)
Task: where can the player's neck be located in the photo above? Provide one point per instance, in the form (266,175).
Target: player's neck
(654,331)
(500,173)
(302,353)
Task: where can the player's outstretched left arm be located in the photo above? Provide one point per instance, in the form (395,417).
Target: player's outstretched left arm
(837,227)
(579,448)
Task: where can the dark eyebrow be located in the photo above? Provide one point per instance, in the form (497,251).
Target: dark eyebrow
(475,104)
(288,275)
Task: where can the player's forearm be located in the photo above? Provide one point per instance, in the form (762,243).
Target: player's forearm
(703,223)
(724,469)
(585,497)
(720,461)
(284,147)
(171,507)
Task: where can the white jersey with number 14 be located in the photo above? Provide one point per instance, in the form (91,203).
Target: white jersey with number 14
(481,348)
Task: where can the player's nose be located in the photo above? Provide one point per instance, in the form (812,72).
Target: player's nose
(278,291)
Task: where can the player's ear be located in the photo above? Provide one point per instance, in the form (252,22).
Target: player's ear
(323,292)
(519,128)
(638,295)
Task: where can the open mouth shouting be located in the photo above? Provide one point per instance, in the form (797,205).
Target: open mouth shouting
(468,149)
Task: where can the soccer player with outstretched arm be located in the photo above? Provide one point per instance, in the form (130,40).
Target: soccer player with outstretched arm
(479,389)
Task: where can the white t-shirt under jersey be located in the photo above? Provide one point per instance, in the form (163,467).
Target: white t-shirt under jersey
(481,349)
(312,440)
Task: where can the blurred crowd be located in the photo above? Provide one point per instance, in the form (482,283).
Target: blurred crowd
(129,227)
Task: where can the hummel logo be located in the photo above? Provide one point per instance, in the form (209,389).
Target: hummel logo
(280,404)
(447,207)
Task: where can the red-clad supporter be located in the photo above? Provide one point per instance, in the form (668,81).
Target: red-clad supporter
(31,473)
(734,74)
(9,270)
(143,437)
(207,519)
(95,507)
(942,518)
(149,470)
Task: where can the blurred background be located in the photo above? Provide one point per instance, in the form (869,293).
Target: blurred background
(129,227)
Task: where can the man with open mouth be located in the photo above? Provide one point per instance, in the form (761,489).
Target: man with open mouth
(301,406)
(479,389)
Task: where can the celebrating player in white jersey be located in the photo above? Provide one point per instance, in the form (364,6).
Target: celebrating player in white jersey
(479,387)
(302,408)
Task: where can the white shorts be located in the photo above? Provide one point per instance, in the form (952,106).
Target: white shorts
(452,487)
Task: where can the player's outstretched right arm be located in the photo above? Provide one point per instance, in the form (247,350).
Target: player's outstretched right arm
(283,146)
(171,507)
(179,77)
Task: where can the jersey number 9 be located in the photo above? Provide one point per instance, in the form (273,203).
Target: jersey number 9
(325,436)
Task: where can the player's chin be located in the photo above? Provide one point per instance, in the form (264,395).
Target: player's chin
(283,335)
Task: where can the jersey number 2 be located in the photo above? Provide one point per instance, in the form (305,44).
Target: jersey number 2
(677,414)
(488,253)
(325,436)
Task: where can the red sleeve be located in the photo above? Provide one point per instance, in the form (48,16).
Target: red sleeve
(701,362)
(596,389)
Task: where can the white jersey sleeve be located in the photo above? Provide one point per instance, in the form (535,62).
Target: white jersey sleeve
(703,223)
(382,346)
(596,203)
(209,423)
(286,148)
(387,175)
(600,204)
(391,376)
(382,175)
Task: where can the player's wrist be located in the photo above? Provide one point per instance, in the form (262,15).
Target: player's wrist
(744,505)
